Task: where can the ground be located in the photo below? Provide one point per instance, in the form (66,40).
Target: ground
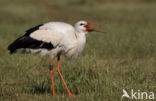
(124,57)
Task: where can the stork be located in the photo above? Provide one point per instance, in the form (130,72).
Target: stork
(54,39)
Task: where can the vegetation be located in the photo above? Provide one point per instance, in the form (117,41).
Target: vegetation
(122,58)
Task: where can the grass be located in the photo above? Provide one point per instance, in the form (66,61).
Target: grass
(122,58)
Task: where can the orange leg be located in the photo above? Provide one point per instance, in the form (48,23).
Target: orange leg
(52,78)
(58,70)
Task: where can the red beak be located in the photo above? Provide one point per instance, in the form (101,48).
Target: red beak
(89,29)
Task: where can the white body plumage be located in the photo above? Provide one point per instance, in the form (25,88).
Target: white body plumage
(66,39)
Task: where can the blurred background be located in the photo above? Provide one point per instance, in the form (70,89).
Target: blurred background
(122,58)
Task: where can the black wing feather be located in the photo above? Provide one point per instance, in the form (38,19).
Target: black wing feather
(29,31)
(28,42)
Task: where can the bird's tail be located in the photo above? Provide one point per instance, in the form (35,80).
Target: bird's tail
(26,42)
(15,45)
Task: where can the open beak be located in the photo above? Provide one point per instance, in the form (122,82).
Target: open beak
(89,29)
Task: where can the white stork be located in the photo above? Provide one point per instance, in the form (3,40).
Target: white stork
(54,39)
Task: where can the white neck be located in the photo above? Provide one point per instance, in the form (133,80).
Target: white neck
(81,36)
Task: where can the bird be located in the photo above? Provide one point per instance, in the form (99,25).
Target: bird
(54,39)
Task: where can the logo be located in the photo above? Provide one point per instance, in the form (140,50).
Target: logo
(137,94)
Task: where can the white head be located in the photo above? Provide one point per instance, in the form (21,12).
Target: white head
(83,27)
(80,26)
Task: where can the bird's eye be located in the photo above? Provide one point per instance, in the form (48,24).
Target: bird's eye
(81,24)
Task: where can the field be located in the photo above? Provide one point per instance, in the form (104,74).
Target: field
(124,57)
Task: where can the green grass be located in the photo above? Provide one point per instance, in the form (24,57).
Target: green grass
(122,58)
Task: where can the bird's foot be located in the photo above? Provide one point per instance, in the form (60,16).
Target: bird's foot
(71,95)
